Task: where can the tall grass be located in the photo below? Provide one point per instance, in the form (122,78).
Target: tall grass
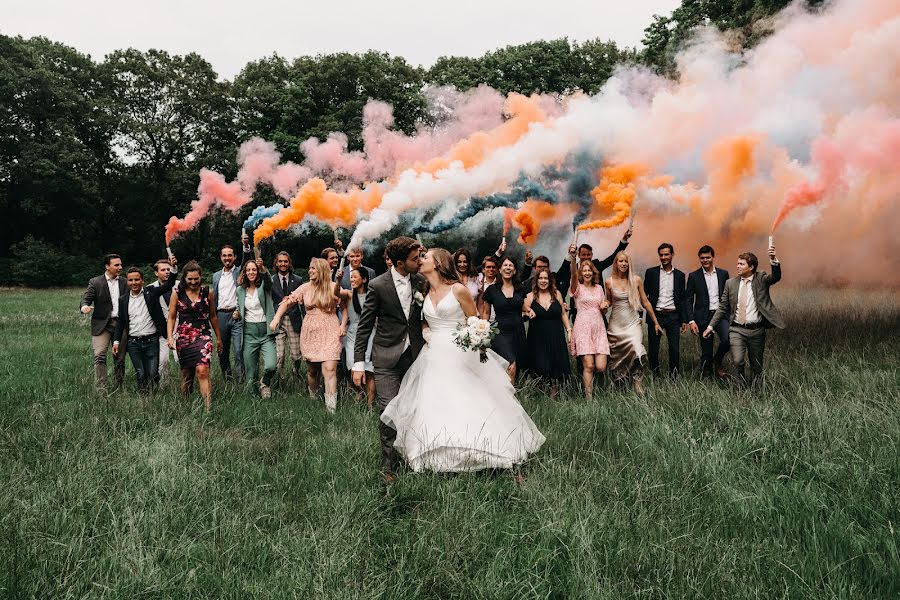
(695,490)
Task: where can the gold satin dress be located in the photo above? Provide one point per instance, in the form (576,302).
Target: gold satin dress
(626,338)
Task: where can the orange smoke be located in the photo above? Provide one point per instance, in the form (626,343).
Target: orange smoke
(533,213)
(508,214)
(471,151)
(615,193)
(315,199)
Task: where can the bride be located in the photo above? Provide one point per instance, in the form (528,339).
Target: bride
(453,412)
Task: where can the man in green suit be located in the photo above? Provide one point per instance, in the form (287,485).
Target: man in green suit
(749,309)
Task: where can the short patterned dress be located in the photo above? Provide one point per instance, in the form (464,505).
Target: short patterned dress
(589,332)
(193,340)
(320,336)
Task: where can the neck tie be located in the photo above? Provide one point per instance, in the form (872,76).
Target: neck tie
(742,301)
(284,283)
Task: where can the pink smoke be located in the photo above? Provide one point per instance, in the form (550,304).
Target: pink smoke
(864,145)
(212,191)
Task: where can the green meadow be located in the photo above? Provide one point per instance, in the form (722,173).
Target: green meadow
(695,490)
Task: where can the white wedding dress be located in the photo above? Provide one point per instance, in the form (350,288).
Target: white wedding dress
(455,413)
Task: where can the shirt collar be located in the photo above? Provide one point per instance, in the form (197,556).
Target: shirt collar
(397,276)
(662,269)
(748,278)
(708,273)
(110,279)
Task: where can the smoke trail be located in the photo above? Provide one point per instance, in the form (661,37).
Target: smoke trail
(867,143)
(524,113)
(521,191)
(615,193)
(261,212)
(508,214)
(212,191)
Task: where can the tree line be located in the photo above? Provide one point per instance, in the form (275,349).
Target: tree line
(95,156)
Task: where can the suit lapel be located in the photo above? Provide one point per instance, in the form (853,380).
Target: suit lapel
(702,283)
(392,293)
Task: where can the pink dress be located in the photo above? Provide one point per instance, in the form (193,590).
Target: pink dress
(589,331)
(320,335)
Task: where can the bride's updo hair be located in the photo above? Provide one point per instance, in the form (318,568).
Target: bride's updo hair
(444,265)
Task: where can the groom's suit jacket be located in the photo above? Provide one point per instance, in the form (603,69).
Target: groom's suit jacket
(383,313)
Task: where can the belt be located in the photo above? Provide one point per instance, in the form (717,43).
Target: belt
(756,325)
(232,309)
(665,311)
(143,337)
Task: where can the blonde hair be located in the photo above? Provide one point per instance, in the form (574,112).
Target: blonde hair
(634,296)
(323,288)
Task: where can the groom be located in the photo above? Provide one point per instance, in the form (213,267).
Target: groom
(393,308)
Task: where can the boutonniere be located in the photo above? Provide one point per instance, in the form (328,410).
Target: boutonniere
(418,298)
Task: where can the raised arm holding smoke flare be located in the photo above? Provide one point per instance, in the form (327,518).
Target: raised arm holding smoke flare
(747,304)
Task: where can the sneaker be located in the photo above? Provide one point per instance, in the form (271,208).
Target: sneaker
(265,391)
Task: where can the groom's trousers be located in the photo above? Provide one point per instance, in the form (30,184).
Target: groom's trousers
(387,385)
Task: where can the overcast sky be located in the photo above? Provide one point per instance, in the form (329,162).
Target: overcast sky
(229,33)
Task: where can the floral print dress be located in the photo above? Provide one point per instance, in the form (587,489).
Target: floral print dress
(193,340)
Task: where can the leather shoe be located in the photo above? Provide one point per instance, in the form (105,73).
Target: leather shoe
(720,373)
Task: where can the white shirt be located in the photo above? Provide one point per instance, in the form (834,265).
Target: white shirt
(113,285)
(712,286)
(666,300)
(227,296)
(139,321)
(405,294)
(162,301)
(753,315)
(253,310)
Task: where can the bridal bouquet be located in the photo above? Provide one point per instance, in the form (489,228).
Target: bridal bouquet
(475,335)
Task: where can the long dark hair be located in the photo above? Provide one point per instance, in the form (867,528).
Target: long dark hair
(470,267)
(261,282)
(190,267)
(515,278)
(364,274)
(551,288)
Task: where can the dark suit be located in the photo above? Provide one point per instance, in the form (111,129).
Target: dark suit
(697,301)
(748,340)
(103,327)
(144,353)
(670,321)
(290,328)
(383,313)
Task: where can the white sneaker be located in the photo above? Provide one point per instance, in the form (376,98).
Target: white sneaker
(331,403)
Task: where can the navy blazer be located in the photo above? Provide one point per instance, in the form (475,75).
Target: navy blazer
(279,292)
(697,294)
(651,288)
(151,297)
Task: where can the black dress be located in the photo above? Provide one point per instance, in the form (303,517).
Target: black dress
(510,342)
(547,353)
(193,340)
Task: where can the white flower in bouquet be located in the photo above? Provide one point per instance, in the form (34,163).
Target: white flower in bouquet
(482,327)
(472,321)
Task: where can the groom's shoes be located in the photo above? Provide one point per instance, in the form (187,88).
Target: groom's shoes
(388,478)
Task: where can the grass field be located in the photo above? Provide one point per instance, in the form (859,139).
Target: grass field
(693,491)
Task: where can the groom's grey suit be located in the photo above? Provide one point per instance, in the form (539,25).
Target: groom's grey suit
(391,355)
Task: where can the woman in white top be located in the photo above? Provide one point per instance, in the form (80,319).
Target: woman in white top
(257,309)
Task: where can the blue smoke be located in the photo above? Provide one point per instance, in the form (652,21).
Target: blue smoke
(523,189)
(261,212)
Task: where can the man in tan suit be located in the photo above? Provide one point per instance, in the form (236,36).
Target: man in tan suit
(748,307)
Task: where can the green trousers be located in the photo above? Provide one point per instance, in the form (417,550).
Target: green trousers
(258,341)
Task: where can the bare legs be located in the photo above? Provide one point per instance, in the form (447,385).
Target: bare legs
(328,371)
(201,374)
(591,363)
